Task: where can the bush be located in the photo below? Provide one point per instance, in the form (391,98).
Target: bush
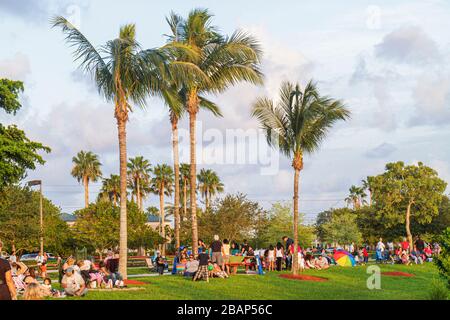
(443,260)
(438,291)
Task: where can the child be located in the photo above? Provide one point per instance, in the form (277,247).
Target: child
(203,272)
(217,272)
(43,269)
(301,262)
(48,290)
(160,263)
(271,258)
(365,255)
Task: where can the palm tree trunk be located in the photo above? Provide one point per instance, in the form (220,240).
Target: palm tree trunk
(123,241)
(141,202)
(176,164)
(162,213)
(86,192)
(138,194)
(193,180)
(408,224)
(295,254)
(206,200)
(185,197)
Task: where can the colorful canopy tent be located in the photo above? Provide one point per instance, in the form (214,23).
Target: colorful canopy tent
(344,259)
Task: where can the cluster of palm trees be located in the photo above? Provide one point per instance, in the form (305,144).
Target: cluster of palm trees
(143,180)
(196,61)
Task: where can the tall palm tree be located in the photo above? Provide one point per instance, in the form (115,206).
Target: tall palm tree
(123,74)
(209,185)
(184,180)
(162,184)
(139,173)
(296,125)
(110,190)
(86,168)
(221,62)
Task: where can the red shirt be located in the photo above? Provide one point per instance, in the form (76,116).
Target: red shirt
(405,245)
(365,254)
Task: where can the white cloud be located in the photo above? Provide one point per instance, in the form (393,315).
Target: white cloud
(15,68)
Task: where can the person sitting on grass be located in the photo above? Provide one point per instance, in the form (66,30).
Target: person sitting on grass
(428,253)
(33,292)
(405,258)
(191,267)
(309,261)
(202,272)
(415,256)
(73,283)
(216,272)
(113,268)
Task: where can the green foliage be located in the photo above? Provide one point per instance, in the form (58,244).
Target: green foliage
(97,227)
(9,95)
(19,222)
(232,217)
(401,186)
(342,228)
(279,223)
(17,153)
(443,260)
(439,290)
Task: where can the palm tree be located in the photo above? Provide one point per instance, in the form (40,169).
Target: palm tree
(139,173)
(296,125)
(220,63)
(86,168)
(110,190)
(184,179)
(162,184)
(367,186)
(209,185)
(356,197)
(123,74)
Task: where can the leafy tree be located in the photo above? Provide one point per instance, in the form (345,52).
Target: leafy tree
(407,193)
(139,173)
(219,62)
(9,95)
(233,217)
(280,223)
(17,153)
(296,125)
(443,260)
(209,185)
(19,222)
(342,229)
(86,169)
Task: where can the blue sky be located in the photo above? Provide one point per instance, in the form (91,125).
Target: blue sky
(388,60)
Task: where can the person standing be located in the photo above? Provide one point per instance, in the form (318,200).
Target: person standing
(216,248)
(289,245)
(405,245)
(226,255)
(7,288)
(279,254)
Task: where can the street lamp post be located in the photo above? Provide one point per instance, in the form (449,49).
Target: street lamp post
(41,213)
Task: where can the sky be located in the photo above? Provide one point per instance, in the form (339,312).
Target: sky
(387,60)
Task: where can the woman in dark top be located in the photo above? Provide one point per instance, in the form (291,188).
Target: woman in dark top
(7,289)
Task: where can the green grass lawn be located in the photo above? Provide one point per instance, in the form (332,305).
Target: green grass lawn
(344,283)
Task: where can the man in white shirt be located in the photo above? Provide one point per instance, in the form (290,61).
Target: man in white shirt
(73,283)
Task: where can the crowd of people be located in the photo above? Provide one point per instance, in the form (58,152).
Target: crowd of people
(75,277)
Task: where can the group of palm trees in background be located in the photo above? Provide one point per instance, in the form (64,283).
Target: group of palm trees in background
(197,61)
(143,180)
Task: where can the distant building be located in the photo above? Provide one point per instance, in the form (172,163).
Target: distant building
(153,222)
(68,218)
